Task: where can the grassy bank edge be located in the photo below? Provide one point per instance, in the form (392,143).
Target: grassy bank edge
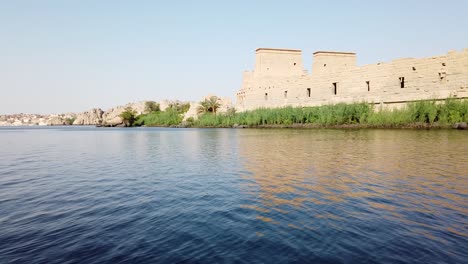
(315,126)
(417,115)
(428,114)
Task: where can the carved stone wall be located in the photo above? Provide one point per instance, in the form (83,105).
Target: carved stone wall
(279,79)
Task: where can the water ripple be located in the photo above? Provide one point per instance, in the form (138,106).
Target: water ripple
(150,195)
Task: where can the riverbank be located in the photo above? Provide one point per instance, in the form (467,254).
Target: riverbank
(460,126)
(421,115)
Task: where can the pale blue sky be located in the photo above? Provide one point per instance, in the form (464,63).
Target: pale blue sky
(61,56)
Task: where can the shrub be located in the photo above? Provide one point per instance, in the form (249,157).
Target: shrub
(151,106)
(169,117)
(69,121)
(128,116)
(180,108)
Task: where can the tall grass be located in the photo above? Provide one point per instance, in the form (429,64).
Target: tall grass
(170,117)
(421,112)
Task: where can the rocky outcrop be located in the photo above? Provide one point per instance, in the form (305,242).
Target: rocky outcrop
(56,121)
(192,112)
(164,104)
(461,125)
(91,117)
(95,116)
(225,105)
(111,117)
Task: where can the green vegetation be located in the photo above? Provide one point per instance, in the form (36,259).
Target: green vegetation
(430,113)
(209,105)
(423,113)
(171,117)
(179,107)
(417,114)
(151,106)
(69,121)
(128,116)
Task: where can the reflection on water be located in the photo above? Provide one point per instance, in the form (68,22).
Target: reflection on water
(151,195)
(381,185)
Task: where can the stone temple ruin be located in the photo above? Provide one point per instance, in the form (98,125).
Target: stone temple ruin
(279,79)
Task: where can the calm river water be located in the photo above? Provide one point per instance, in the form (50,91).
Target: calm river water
(153,195)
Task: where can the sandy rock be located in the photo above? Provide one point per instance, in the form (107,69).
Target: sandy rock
(112,116)
(461,125)
(56,121)
(164,104)
(91,117)
(225,105)
(192,112)
(239,126)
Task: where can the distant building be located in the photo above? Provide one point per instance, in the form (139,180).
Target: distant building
(279,79)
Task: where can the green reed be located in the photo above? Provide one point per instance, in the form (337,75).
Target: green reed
(170,117)
(430,112)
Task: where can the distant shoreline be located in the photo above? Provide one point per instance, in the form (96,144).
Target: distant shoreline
(432,114)
(298,126)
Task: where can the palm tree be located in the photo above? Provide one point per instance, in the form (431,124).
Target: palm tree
(210,105)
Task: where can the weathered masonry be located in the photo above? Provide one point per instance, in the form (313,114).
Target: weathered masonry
(279,79)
